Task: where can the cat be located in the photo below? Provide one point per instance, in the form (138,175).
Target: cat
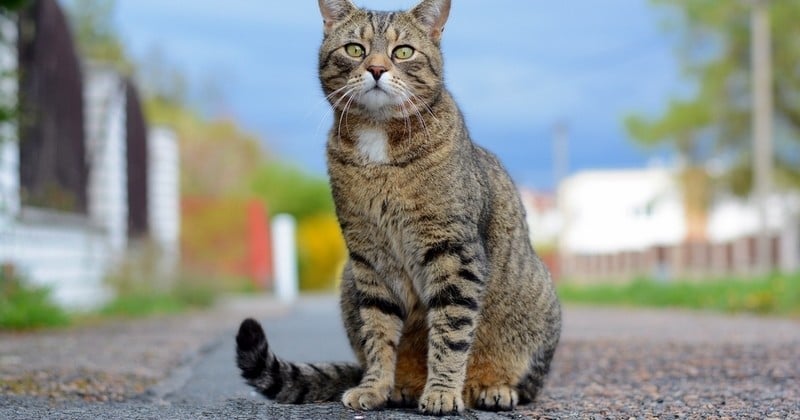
(444,301)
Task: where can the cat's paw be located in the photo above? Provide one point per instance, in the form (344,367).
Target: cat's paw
(441,402)
(403,397)
(365,398)
(495,398)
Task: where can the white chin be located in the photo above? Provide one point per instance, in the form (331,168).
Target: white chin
(376,100)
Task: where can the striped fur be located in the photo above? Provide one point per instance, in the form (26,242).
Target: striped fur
(285,382)
(444,301)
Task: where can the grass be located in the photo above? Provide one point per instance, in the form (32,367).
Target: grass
(778,294)
(186,293)
(24,306)
(139,291)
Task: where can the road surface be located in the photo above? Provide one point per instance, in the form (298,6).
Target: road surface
(612,363)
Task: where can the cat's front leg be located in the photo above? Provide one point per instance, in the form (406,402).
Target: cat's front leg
(453,291)
(380,322)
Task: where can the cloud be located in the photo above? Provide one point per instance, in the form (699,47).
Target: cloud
(515,67)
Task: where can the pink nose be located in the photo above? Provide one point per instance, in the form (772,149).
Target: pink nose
(377,71)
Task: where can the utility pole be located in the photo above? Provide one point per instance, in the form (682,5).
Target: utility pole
(762,125)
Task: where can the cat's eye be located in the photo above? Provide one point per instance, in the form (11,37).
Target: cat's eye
(403,53)
(354,50)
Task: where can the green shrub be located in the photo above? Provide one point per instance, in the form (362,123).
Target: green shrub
(184,295)
(24,306)
(141,289)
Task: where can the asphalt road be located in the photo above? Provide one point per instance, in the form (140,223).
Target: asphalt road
(312,332)
(209,386)
(612,363)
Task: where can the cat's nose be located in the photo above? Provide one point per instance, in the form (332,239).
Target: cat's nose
(377,71)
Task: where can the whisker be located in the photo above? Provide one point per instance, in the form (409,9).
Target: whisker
(427,108)
(333,106)
(420,118)
(326,99)
(345,111)
(406,120)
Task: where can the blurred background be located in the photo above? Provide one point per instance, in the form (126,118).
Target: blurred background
(147,146)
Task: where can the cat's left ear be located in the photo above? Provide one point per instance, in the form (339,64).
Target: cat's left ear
(334,11)
(433,15)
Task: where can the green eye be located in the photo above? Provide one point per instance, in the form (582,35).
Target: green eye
(403,53)
(354,50)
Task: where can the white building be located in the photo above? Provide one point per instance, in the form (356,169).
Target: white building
(164,195)
(544,220)
(105,102)
(73,253)
(625,223)
(614,211)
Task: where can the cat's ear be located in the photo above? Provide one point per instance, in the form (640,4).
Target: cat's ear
(433,15)
(334,11)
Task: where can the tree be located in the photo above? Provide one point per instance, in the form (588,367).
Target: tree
(12,5)
(162,79)
(714,50)
(94,32)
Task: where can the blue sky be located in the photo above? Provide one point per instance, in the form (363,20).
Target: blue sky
(516,67)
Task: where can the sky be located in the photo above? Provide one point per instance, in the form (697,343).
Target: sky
(516,68)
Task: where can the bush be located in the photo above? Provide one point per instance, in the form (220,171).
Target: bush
(185,294)
(141,289)
(321,252)
(24,306)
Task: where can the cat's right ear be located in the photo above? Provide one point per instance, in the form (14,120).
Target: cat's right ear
(433,15)
(334,11)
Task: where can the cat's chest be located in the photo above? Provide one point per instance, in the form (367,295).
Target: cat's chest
(372,145)
(377,202)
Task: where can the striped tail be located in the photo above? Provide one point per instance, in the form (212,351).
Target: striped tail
(285,382)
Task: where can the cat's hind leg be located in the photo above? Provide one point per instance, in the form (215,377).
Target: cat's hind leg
(412,366)
(533,381)
(492,381)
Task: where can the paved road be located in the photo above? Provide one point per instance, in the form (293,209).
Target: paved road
(312,332)
(613,363)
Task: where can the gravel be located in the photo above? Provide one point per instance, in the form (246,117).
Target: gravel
(622,363)
(115,360)
(612,363)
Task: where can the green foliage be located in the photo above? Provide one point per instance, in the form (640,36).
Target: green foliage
(715,53)
(140,297)
(218,158)
(287,189)
(185,296)
(24,306)
(778,294)
(321,248)
(142,290)
(11,5)
(677,127)
(8,107)
(163,81)
(94,32)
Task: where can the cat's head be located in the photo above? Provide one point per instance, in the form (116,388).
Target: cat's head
(382,65)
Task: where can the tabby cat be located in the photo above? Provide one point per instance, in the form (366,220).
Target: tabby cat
(445,303)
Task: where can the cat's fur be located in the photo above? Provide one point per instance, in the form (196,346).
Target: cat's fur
(444,301)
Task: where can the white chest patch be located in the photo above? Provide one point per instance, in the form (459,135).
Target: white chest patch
(373,144)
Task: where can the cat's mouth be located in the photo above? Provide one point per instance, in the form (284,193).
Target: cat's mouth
(376,98)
